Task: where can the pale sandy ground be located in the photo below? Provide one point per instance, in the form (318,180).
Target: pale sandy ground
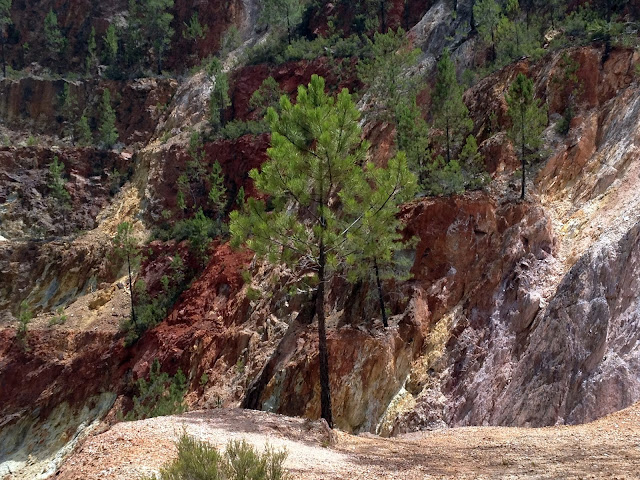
(608,448)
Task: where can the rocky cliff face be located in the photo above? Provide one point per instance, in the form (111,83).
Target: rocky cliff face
(518,313)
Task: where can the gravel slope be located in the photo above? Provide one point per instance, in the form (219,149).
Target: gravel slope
(608,448)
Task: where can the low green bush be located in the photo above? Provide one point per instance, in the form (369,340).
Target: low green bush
(199,460)
(161,395)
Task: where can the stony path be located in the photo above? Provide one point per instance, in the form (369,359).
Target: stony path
(608,448)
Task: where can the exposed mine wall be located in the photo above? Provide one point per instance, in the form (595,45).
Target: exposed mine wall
(519,313)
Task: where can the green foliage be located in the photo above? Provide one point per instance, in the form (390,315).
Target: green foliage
(385,70)
(281,16)
(413,136)
(5,21)
(124,242)
(238,128)
(277,51)
(219,99)
(108,131)
(68,107)
(316,153)
(444,178)
(198,230)
(147,35)
(450,114)
(57,183)
(111,45)
(25,315)
(200,461)
(125,246)
(570,87)
(194,30)
(157,27)
(160,395)
(5,14)
(504,29)
(230,41)
(487,15)
(193,181)
(204,379)
(528,119)
(217,192)
(315,158)
(53,38)
(266,96)
(472,163)
(152,308)
(83,132)
(59,319)
(91,61)
(240,197)
(59,193)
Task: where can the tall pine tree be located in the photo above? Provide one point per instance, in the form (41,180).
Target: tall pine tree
(315,166)
(5,21)
(450,114)
(528,119)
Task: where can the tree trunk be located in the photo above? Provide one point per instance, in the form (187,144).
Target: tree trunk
(448,144)
(522,154)
(4,63)
(283,353)
(133,310)
(493,45)
(406,15)
(383,309)
(325,389)
(221,99)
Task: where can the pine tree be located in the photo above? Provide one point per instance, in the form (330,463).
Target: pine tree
(413,136)
(528,119)
(58,190)
(92,52)
(52,34)
(194,30)
(384,71)
(231,40)
(315,166)
(111,45)
(267,95)
(83,132)
(219,99)
(450,114)
(487,14)
(217,192)
(126,247)
(281,15)
(157,26)
(5,21)
(108,131)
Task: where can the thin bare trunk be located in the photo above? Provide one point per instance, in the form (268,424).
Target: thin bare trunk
(522,152)
(133,310)
(325,389)
(383,309)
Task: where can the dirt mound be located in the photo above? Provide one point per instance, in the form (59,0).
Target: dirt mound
(607,448)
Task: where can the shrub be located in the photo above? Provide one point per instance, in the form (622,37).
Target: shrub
(152,309)
(161,395)
(237,128)
(24,318)
(60,317)
(199,460)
